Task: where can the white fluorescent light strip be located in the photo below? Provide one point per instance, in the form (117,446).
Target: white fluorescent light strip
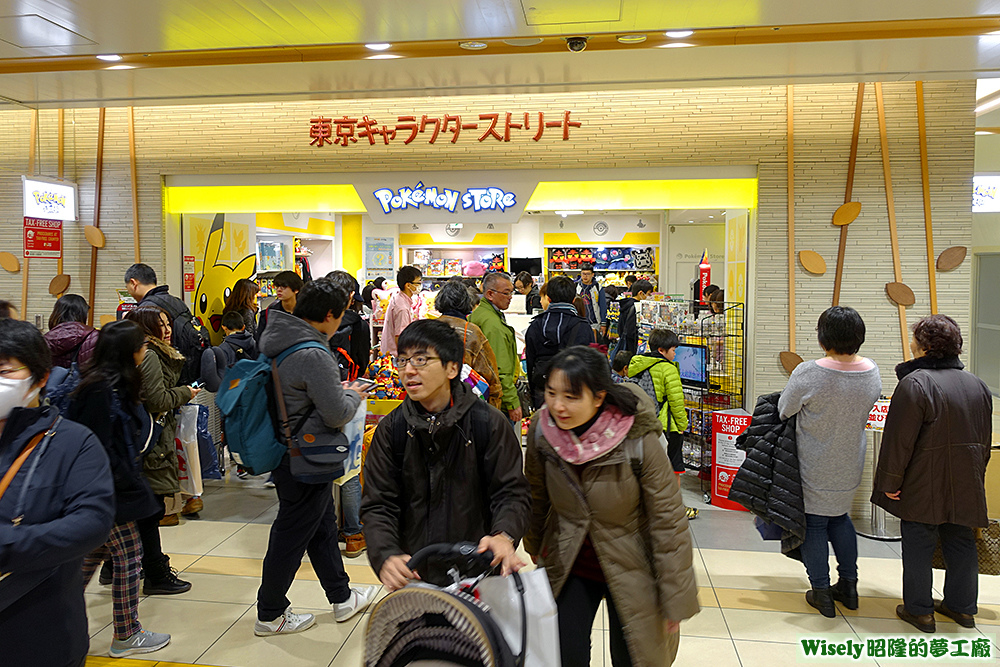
(679,34)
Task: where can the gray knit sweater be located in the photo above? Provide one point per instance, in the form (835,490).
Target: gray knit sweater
(832,408)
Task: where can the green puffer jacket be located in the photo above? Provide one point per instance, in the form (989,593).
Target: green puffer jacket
(160,370)
(667,381)
(635,522)
(504,344)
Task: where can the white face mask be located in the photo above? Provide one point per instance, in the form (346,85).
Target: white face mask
(15,394)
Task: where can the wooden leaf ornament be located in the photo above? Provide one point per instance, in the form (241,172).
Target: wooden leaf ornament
(9,262)
(789,360)
(847,213)
(951,258)
(812,262)
(95,237)
(59,284)
(900,293)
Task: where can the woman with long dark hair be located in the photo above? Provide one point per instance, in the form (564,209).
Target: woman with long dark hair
(607,520)
(69,337)
(159,371)
(107,401)
(931,472)
(243,300)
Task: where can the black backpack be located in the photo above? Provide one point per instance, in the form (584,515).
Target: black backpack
(189,336)
(645,382)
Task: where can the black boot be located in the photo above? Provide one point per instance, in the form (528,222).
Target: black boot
(846,593)
(822,599)
(107,573)
(161,579)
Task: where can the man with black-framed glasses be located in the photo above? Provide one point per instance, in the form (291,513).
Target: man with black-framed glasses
(488,316)
(442,467)
(399,312)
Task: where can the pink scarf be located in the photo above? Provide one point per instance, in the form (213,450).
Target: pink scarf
(610,429)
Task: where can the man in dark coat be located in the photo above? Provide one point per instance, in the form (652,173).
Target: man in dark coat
(628,325)
(444,466)
(557,328)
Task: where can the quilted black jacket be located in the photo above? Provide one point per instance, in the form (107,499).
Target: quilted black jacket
(768,483)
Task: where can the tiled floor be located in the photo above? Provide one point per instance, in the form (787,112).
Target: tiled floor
(753,609)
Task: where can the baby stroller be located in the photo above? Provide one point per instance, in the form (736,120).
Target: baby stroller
(441,620)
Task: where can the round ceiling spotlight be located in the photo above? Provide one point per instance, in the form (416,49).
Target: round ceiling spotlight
(379,46)
(678,34)
(631,39)
(473,46)
(523,41)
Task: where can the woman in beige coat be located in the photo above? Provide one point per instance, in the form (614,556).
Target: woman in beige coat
(607,517)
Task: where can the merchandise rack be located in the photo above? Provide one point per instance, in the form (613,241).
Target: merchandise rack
(723,333)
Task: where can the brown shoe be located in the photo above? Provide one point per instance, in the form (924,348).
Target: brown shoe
(923,622)
(192,506)
(356,545)
(170,520)
(965,620)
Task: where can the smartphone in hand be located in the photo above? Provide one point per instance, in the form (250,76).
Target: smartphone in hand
(362,384)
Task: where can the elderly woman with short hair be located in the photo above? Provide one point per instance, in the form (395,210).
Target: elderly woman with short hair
(931,472)
(454,303)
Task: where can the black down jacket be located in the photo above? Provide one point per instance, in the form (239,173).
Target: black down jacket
(768,483)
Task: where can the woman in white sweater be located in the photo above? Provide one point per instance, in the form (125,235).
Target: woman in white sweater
(832,398)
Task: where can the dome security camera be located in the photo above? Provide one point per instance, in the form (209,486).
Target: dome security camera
(576,44)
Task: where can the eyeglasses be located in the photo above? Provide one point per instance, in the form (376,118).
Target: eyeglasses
(7,372)
(418,283)
(418,361)
(509,292)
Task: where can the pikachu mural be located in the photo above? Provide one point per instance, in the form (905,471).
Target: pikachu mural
(223,254)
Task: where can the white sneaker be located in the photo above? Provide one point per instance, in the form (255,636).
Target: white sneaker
(361,596)
(143,641)
(285,624)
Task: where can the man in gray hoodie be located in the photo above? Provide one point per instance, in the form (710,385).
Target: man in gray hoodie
(306,521)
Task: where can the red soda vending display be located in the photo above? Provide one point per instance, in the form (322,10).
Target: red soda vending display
(727,425)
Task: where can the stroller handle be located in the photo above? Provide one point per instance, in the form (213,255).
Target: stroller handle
(462,556)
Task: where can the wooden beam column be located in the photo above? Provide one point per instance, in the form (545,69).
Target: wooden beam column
(97,213)
(926,180)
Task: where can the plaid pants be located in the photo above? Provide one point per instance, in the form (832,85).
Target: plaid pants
(125,549)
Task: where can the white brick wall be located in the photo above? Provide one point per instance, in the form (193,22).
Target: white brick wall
(724,126)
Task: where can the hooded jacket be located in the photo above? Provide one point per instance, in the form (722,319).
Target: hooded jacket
(68,508)
(628,327)
(263,317)
(504,343)
(669,390)
(532,300)
(479,355)
(936,445)
(309,377)
(598,310)
(768,483)
(71,341)
(215,361)
(160,371)
(549,333)
(635,522)
(430,492)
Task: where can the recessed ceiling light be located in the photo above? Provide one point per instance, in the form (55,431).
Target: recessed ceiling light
(678,34)
(712,217)
(473,46)
(383,56)
(121,67)
(378,46)
(523,41)
(631,39)
(690,221)
(565,213)
(674,45)
(110,57)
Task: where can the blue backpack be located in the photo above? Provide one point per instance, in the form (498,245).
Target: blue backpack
(243,400)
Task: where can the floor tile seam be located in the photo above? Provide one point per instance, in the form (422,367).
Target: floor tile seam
(223,634)
(351,634)
(208,552)
(718,602)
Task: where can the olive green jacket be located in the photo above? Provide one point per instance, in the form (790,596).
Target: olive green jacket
(160,370)
(504,344)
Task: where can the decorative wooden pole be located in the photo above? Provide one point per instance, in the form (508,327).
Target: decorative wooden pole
(97,214)
(789,359)
(847,214)
(926,179)
(894,289)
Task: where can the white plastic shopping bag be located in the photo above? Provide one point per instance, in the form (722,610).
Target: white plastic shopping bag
(504,600)
(188,460)
(355,432)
